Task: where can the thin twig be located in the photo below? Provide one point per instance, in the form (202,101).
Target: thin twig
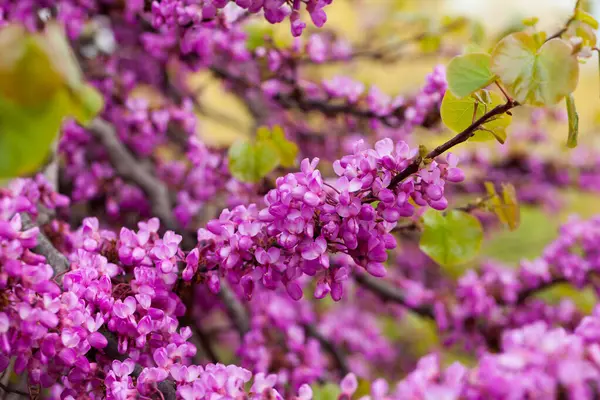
(567,24)
(460,138)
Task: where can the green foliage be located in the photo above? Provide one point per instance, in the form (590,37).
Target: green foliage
(469,73)
(452,238)
(573,122)
(505,206)
(584,17)
(251,162)
(286,149)
(458,113)
(40,85)
(256,34)
(535,73)
(328,391)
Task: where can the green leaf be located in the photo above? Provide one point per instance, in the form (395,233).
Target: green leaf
(582,16)
(250,162)
(430,43)
(451,239)
(506,207)
(532,74)
(469,73)
(573,122)
(458,113)
(328,391)
(86,103)
(288,150)
(256,34)
(26,134)
(27,75)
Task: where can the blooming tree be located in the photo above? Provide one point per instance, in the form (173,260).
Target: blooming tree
(137,261)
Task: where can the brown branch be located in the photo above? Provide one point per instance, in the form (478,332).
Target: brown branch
(387,292)
(234,308)
(15,391)
(458,139)
(567,24)
(206,344)
(55,258)
(131,169)
(297,100)
(338,356)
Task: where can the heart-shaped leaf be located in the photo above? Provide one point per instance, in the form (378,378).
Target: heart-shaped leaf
(250,162)
(458,113)
(451,239)
(534,74)
(469,73)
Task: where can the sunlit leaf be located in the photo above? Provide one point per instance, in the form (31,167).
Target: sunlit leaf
(458,113)
(26,134)
(583,31)
(86,103)
(451,239)
(573,122)
(256,34)
(250,162)
(40,85)
(28,76)
(533,74)
(506,207)
(468,73)
(328,391)
(288,150)
(584,17)
(431,43)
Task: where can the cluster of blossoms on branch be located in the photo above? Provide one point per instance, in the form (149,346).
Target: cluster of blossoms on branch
(307,218)
(120,305)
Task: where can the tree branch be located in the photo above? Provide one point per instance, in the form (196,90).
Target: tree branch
(131,169)
(15,391)
(390,293)
(55,258)
(336,353)
(234,308)
(458,139)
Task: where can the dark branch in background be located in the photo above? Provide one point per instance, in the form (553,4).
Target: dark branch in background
(235,309)
(336,353)
(387,292)
(7,389)
(131,169)
(206,344)
(296,100)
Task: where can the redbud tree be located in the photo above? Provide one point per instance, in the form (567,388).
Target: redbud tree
(316,257)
